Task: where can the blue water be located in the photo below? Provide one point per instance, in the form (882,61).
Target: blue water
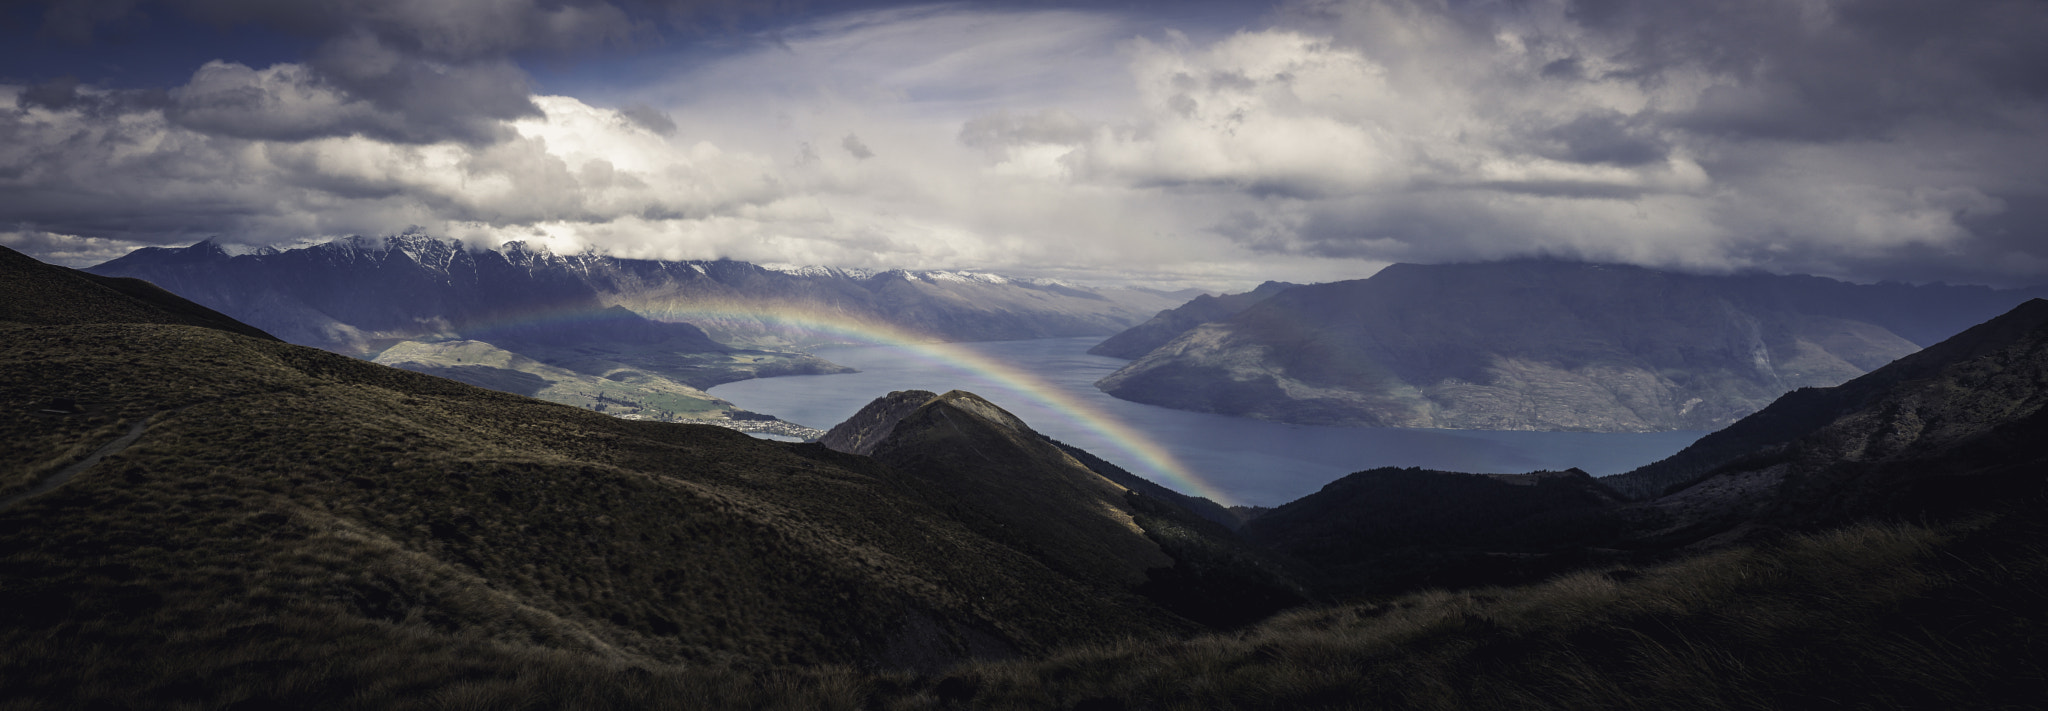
(1248,461)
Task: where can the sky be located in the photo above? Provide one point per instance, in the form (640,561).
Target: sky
(1171,144)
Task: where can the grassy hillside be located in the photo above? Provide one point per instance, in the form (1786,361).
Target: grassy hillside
(293,522)
(292,528)
(1872,616)
(1010,483)
(621,391)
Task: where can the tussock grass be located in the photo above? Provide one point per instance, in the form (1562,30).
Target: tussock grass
(302,530)
(1871,616)
(382,534)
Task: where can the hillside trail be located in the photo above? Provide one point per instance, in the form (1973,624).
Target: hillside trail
(64,475)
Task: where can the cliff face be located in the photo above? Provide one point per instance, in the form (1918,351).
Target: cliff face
(1542,346)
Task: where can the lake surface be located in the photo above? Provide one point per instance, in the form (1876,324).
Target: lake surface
(1252,462)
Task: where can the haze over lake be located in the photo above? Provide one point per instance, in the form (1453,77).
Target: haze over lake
(1254,462)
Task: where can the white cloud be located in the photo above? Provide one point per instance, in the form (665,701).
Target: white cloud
(1092,145)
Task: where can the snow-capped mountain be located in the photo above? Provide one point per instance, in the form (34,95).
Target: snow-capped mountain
(357,294)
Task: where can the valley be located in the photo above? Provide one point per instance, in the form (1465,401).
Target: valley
(1248,461)
(297,527)
(1287,355)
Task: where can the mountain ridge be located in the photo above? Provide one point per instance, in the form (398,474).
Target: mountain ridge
(335,295)
(1541,345)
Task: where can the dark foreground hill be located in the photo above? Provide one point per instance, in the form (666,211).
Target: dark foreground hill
(1875,545)
(1936,435)
(290,528)
(1958,428)
(1113,531)
(1979,363)
(1389,530)
(1542,345)
(293,525)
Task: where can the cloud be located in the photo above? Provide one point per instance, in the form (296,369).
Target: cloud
(145,177)
(414,71)
(650,118)
(856,148)
(1866,139)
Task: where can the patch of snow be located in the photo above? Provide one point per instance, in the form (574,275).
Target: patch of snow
(802,270)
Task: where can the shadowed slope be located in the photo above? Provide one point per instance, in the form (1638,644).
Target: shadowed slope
(1391,530)
(310,529)
(1801,413)
(1958,427)
(866,429)
(38,293)
(1017,487)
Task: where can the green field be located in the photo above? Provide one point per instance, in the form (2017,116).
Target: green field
(611,388)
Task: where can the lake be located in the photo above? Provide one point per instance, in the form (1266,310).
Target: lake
(1253,462)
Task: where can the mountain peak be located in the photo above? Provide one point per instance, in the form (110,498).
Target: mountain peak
(867,428)
(984,409)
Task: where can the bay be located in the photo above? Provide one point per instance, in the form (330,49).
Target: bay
(1246,461)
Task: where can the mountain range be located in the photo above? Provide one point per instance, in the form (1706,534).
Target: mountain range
(662,330)
(359,295)
(1539,345)
(1161,329)
(203,515)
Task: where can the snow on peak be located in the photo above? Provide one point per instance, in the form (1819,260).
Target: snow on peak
(802,270)
(963,277)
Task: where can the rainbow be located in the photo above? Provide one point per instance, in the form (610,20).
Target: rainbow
(1159,464)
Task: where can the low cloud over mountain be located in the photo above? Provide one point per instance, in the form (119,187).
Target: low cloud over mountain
(1865,140)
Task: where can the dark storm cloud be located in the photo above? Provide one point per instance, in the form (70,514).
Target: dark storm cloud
(856,147)
(650,118)
(1821,72)
(1604,137)
(412,71)
(63,94)
(1866,138)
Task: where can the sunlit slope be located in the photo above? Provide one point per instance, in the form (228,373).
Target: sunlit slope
(620,390)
